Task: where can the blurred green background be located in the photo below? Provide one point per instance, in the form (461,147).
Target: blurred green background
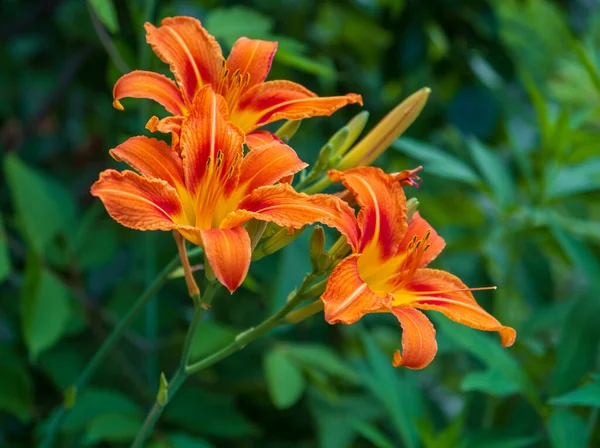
(510,145)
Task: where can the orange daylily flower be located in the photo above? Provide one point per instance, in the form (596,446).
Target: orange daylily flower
(210,189)
(387,271)
(196,60)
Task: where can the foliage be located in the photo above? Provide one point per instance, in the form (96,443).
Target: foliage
(509,142)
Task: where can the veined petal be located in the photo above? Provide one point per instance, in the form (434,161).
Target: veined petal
(211,147)
(139,202)
(275,100)
(267,164)
(144,84)
(252,56)
(418,339)
(419,230)
(432,289)
(286,207)
(261,139)
(194,56)
(347,297)
(165,125)
(152,158)
(228,251)
(382,215)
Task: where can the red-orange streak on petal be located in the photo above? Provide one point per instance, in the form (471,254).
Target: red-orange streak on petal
(194,56)
(382,216)
(228,251)
(432,289)
(268,164)
(419,227)
(143,84)
(138,202)
(253,57)
(275,100)
(286,207)
(152,158)
(260,139)
(418,339)
(347,297)
(211,147)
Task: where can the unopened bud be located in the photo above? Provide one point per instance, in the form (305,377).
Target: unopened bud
(322,162)
(317,246)
(355,126)
(288,129)
(339,249)
(255,229)
(386,131)
(411,208)
(338,140)
(162,397)
(278,241)
(323,262)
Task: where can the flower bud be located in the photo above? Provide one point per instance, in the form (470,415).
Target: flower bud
(355,126)
(278,241)
(287,130)
(386,131)
(162,397)
(411,208)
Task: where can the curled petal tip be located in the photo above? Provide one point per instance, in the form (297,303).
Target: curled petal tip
(508,335)
(117,105)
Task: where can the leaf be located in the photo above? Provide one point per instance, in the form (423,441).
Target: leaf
(489,381)
(182,440)
(4,255)
(285,382)
(45,311)
(16,397)
(231,23)
(322,358)
(574,179)
(34,204)
(107,14)
(488,351)
(436,161)
(567,430)
(95,402)
(210,337)
(493,170)
(588,395)
(112,428)
(371,433)
(496,441)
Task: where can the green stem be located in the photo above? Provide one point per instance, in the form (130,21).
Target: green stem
(318,186)
(180,375)
(104,350)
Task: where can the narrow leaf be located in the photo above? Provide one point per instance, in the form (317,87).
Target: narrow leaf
(284,379)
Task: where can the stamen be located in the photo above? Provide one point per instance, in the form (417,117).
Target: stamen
(220,157)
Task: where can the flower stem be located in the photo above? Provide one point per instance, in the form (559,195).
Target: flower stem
(104,350)
(180,374)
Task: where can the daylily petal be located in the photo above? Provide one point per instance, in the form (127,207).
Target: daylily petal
(286,207)
(252,56)
(165,125)
(347,297)
(211,147)
(382,215)
(268,164)
(152,158)
(261,139)
(139,202)
(275,100)
(418,339)
(143,84)
(194,56)
(228,251)
(432,289)
(419,228)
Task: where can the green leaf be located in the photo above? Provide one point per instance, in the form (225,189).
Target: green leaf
(210,337)
(107,14)
(112,427)
(182,441)
(493,170)
(322,358)
(231,23)
(94,403)
(574,179)
(436,161)
(489,381)
(567,430)
(16,395)
(284,379)
(371,433)
(496,441)
(39,214)
(45,311)
(4,255)
(588,395)
(488,351)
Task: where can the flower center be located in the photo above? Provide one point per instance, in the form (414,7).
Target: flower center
(232,85)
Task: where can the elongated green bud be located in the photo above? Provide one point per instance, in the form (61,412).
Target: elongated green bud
(281,239)
(287,130)
(162,397)
(411,208)
(317,246)
(355,126)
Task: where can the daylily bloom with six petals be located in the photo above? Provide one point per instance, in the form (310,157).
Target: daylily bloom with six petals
(387,271)
(196,60)
(210,189)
